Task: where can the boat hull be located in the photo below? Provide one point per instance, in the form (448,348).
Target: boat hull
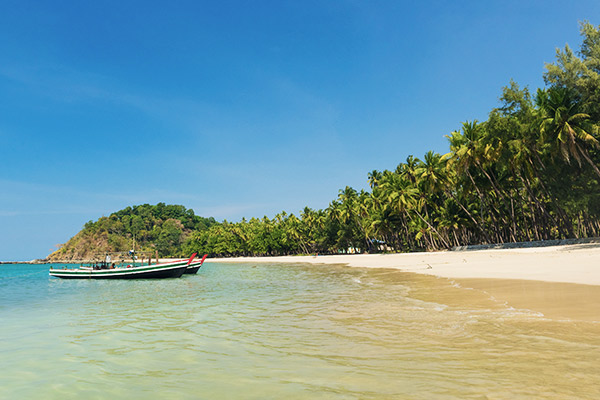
(192,270)
(158,271)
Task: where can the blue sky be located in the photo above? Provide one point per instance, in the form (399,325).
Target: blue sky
(241,109)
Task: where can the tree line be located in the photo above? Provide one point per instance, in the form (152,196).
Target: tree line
(529,172)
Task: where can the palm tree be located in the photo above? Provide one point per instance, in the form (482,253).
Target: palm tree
(466,153)
(566,126)
(406,198)
(374,177)
(464,150)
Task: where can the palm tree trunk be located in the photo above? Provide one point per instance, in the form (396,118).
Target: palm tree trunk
(432,228)
(477,224)
(585,155)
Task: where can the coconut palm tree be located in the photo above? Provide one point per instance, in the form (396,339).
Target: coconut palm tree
(569,129)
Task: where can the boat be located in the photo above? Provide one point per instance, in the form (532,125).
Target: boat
(106,269)
(193,267)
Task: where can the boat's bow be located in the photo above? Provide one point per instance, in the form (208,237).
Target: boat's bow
(194,266)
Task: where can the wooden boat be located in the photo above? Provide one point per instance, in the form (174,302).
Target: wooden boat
(193,267)
(107,270)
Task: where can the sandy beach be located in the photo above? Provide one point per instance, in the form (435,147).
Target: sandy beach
(561,282)
(578,264)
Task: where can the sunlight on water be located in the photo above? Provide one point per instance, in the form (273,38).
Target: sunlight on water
(276,331)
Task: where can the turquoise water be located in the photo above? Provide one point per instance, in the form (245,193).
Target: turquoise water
(282,331)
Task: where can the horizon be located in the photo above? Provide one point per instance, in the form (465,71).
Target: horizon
(238,111)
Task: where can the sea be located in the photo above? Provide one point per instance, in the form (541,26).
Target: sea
(277,331)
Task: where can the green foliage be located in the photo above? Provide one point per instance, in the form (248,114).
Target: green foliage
(161,228)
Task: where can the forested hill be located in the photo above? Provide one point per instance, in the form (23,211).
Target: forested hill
(153,227)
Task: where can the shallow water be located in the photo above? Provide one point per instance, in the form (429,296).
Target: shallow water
(283,331)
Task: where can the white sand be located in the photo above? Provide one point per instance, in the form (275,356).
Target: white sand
(569,263)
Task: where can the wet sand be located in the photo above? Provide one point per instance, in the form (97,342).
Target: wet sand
(555,300)
(560,282)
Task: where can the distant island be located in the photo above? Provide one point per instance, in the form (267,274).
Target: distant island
(528,173)
(157,228)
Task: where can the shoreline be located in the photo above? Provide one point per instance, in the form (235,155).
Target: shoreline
(34,262)
(560,282)
(572,263)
